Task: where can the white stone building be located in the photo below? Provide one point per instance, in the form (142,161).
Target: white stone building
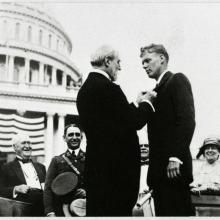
(36,74)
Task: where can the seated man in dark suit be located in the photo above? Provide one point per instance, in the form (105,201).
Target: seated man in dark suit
(23,179)
(53,204)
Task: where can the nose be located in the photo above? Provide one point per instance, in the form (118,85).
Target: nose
(145,65)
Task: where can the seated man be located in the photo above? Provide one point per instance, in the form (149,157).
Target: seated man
(53,203)
(147,209)
(23,179)
(208,176)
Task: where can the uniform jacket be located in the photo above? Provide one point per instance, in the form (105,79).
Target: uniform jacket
(171,128)
(58,165)
(112,153)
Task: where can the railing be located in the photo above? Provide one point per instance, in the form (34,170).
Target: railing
(9,207)
(206,204)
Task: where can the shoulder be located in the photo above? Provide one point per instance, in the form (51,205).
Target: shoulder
(9,165)
(180,80)
(180,77)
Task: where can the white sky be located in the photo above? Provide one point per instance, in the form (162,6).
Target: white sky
(189,31)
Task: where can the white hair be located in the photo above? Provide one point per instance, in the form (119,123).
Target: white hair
(19,137)
(97,58)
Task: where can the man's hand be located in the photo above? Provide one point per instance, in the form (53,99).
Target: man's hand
(22,189)
(173,169)
(81,193)
(146,96)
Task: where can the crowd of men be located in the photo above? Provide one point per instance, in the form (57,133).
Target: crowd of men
(108,176)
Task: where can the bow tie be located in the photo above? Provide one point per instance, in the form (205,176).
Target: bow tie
(24,160)
(144,162)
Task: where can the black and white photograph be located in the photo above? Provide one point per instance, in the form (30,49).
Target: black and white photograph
(109,108)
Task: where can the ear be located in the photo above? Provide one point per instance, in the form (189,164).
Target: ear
(107,61)
(162,58)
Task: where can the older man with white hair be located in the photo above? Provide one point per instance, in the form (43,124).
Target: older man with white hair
(23,179)
(112,168)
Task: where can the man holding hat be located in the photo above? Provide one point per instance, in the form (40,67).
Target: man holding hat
(64,179)
(208,176)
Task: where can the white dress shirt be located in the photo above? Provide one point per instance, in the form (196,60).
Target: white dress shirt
(30,175)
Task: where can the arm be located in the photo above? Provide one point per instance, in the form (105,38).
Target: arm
(127,114)
(184,111)
(5,189)
(48,195)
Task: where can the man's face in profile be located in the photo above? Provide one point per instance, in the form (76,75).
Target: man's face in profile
(152,62)
(114,67)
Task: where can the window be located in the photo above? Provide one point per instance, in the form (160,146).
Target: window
(29,33)
(49,41)
(40,37)
(17,31)
(58,44)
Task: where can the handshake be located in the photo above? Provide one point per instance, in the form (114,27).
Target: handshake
(146,96)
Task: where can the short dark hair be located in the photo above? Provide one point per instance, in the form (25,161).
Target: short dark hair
(70,125)
(155,48)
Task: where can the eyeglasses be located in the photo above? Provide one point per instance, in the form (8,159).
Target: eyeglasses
(77,134)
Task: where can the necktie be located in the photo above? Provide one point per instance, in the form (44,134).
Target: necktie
(156,87)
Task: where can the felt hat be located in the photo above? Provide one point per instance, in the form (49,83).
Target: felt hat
(208,141)
(64,183)
(76,208)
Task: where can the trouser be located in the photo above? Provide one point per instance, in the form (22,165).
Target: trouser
(172,199)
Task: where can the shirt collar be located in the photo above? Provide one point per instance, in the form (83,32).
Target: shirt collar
(76,151)
(161,76)
(101,72)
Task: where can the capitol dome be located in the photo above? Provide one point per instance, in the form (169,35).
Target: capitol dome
(37,77)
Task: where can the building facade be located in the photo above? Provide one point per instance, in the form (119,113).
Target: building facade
(37,78)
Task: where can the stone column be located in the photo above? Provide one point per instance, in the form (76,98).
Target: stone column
(6,68)
(49,152)
(60,147)
(27,70)
(64,79)
(41,73)
(10,68)
(54,76)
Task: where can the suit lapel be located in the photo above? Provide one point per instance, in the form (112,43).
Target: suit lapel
(18,171)
(165,78)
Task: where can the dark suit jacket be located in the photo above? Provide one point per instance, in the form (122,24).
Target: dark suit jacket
(11,175)
(58,165)
(171,128)
(112,154)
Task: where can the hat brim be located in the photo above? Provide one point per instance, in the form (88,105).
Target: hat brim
(64,183)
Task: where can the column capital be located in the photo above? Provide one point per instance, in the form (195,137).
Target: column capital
(50,113)
(61,114)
